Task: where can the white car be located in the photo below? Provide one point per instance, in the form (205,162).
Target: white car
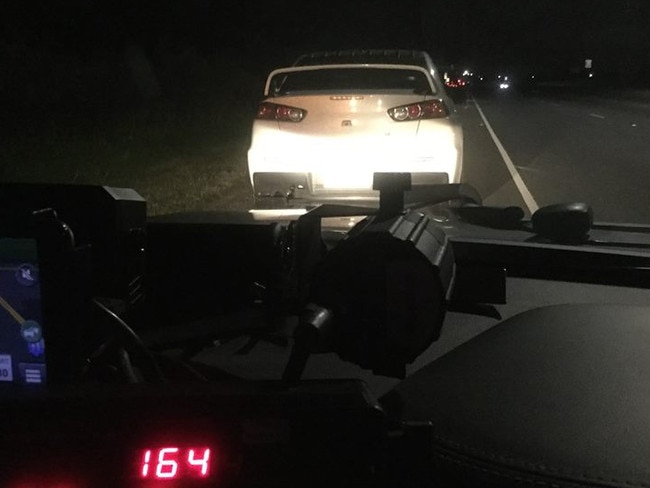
(332,120)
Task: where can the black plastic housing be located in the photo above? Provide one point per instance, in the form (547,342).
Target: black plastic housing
(203,265)
(387,284)
(321,433)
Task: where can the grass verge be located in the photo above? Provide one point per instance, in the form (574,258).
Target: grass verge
(175,164)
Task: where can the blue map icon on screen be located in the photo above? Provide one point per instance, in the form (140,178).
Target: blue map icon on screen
(31,331)
(36,349)
(26,275)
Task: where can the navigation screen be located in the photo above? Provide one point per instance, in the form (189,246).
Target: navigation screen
(22,348)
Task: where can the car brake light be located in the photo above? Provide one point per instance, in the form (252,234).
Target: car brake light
(432,109)
(281,113)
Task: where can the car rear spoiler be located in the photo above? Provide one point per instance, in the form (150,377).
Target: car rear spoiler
(294,69)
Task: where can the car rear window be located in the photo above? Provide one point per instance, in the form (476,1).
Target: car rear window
(351,79)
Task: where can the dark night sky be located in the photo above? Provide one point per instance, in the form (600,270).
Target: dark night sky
(75,48)
(462,29)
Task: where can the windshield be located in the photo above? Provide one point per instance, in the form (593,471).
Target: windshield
(497,338)
(162,96)
(351,80)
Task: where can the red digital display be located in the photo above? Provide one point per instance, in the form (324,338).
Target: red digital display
(174,463)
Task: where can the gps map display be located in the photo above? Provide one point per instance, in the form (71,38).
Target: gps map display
(22,347)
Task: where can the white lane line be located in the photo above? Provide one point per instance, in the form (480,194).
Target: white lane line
(526,168)
(516,177)
(598,116)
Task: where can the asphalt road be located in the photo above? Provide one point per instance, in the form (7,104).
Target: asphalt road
(560,148)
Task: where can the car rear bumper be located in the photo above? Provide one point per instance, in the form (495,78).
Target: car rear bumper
(301,190)
(347,163)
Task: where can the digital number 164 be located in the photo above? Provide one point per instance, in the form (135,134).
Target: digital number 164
(175,463)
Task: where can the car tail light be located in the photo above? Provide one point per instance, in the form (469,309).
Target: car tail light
(455,83)
(432,109)
(281,113)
